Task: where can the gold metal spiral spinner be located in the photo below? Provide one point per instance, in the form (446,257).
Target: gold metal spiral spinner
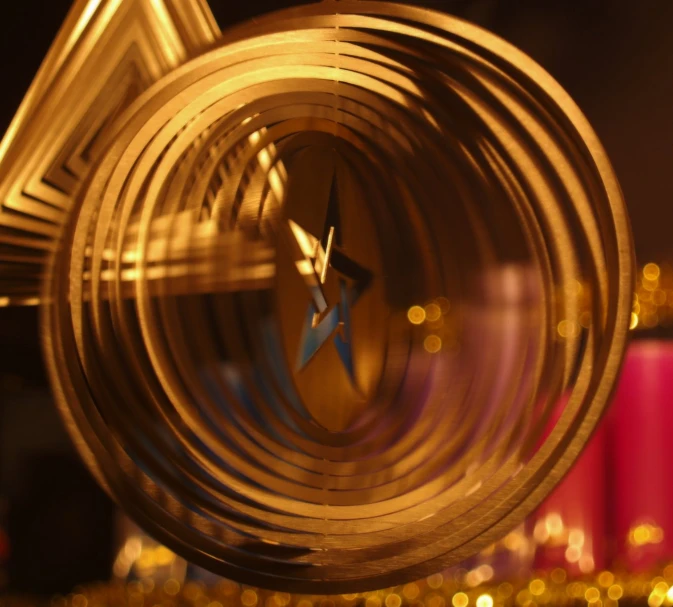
(341,299)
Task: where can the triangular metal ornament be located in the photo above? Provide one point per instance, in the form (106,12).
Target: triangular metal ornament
(106,53)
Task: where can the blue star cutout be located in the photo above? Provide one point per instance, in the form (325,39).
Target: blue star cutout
(324,322)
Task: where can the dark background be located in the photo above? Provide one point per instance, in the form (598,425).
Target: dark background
(615,57)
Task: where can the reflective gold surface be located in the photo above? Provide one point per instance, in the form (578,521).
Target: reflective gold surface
(341,299)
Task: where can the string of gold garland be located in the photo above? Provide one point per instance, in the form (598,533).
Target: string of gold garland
(604,589)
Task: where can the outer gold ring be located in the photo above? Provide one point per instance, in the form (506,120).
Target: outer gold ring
(282,503)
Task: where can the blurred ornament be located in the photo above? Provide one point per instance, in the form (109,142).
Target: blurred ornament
(105,55)
(318,291)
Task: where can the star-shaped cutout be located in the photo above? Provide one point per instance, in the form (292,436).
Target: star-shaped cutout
(335,281)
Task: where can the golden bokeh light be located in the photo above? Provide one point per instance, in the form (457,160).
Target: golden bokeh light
(433,312)
(484,600)
(555,524)
(586,563)
(411,591)
(460,599)
(536,587)
(172,587)
(432,344)
(558,575)
(573,554)
(645,533)
(393,600)
(444,304)
(249,598)
(416,315)
(605,588)
(568,328)
(651,271)
(505,590)
(592,595)
(435,600)
(606,578)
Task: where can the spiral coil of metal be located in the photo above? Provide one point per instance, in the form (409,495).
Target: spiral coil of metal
(343,299)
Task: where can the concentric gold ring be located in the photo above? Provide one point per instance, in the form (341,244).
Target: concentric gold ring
(339,411)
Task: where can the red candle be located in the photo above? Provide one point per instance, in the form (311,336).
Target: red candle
(569,528)
(641,424)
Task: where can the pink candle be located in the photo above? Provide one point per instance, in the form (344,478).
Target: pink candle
(641,447)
